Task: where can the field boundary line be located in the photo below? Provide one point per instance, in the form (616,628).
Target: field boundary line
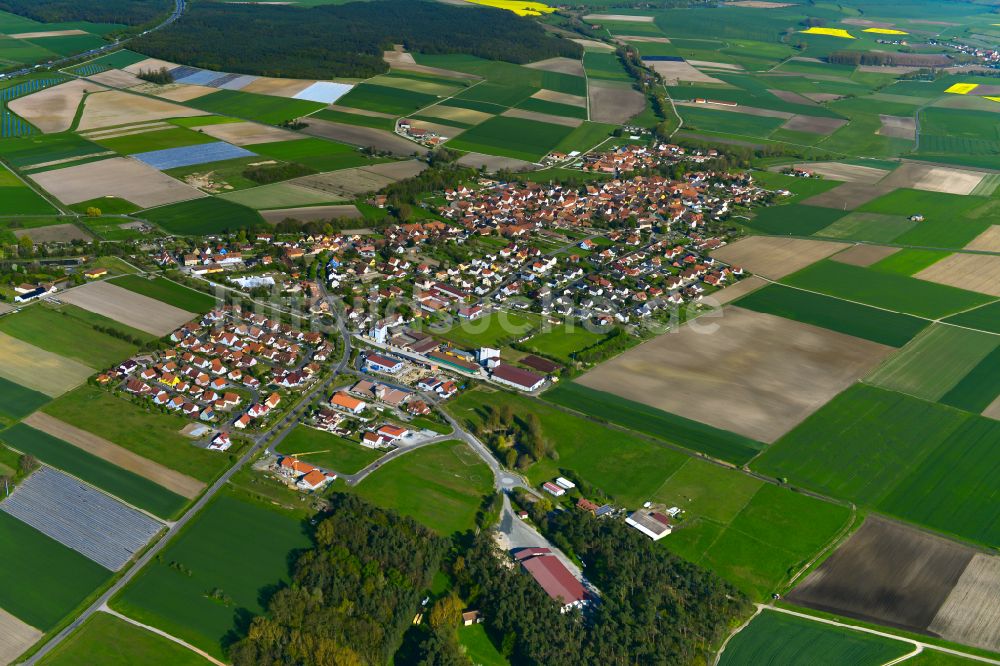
(834,543)
(722,648)
(159,632)
(917,650)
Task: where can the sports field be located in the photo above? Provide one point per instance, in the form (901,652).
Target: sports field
(327,450)
(42,580)
(217,571)
(168,292)
(107,640)
(778,638)
(441,486)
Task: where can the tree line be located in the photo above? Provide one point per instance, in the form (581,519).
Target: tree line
(128,12)
(344,40)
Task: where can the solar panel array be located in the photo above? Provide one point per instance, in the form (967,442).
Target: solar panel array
(90,522)
(171,158)
(12,125)
(205,77)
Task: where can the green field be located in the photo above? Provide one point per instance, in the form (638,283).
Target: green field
(985,318)
(778,638)
(754,534)
(586,136)
(327,450)
(396,101)
(242,551)
(979,388)
(801,188)
(174,137)
(512,137)
(69,331)
(151,434)
(728,122)
(479,648)
(868,227)
(376,122)
(662,425)
(492,330)
(262,108)
(105,639)
(909,261)
(280,195)
(108,206)
(885,290)
(861,444)
(950,220)
(628,468)
(316,153)
(40,148)
(16,401)
(604,66)
(934,362)
(207,215)
(17,198)
(42,580)
(887,328)
(794,219)
(553,108)
(441,486)
(132,488)
(164,290)
(563,341)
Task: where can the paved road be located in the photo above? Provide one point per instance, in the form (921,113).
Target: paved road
(516,533)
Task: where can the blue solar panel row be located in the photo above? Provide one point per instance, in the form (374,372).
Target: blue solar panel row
(171,158)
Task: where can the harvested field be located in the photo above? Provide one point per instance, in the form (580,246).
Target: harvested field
(674,71)
(993,411)
(848,173)
(114,107)
(444,131)
(612,102)
(898,127)
(244,134)
(54,233)
(493,163)
(593,44)
(738,290)
(864,255)
(988,241)
(776,257)
(127,307)
(38,369)
(116,78)
(934,179)
(543,117)
(849,195)
(742,110)
(814,124)
(47,33)
(560,98)
(15,637)
(183,485)
(624,18)
(970,614)
(399,59)
(176,92)
(562,65)
(348,183)
(53,109)
(896,575)
(785,95)
(150,64)
(754,374)
(975,272)
(365,137)
(311,213)
(362,112)
(120,177)
(93,524)
(453,113)
(127,130)
(278,87)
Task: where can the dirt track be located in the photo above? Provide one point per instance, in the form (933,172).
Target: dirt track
(127,307)
(183,485)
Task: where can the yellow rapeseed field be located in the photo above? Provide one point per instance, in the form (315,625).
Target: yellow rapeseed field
(886,31)
(517,6)
(829,32)
(962,88)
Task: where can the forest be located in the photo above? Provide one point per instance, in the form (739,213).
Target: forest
(654,607)
(128,12)
(344,40)
(353,594)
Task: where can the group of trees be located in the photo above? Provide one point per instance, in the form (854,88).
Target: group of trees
(161,76)
(352,595)
(266,174)
(518,440)
(128,12)
(344,40)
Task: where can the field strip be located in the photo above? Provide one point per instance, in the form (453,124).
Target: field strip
(127,307)
(15,637)
(37,369)
(159,632)
(181,484)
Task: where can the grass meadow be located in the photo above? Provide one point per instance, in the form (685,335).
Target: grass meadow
(794,219)
(130,487)
(106,640)
(493,330)
(909,261)
(207,215)
(564,341)
(327,450)
(319,154)
(168,292)
(479,648)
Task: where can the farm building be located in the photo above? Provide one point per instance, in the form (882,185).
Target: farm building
(554,578)
(651,523)
(523,380)
(553,489)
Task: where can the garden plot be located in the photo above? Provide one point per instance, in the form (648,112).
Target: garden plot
(560,98)
(614,101)
(848,173)
(247,133)
(183,485)
(366,137)
(893,574)
(975,272)
(53,109)
(182,156)
(864,255)
(127,307)
(38,369)
(751,373)
(116,78)
(54,233)
(326,92)
(813,124)
(898,127)
(776,257)
(561,65)
(934,179)
(543,117)
(15,637)
(96,525)
(988,241)
(121,177)
(114,107)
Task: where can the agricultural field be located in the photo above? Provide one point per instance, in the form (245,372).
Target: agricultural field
(266,109)
(778,638)
(16,401)
(127,307)
(315,153)
(17,198)
(203,216)
(114,642)
(441,486)
(199,596)
(327,450)
(39,370)
(563,341)
(166,291)
(512,137)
